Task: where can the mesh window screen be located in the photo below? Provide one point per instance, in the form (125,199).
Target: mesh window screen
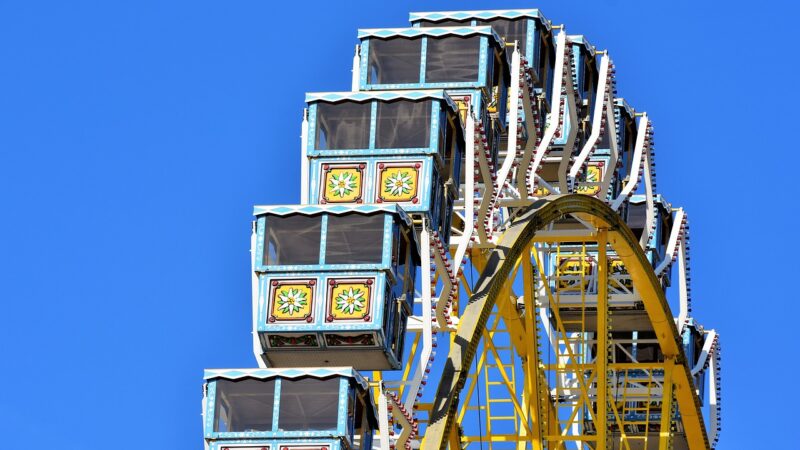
(402,256)
(605,138)
(342,125)
(403,124)
(510,30)
(309,404)
(637,218)
(452,59)
(666,226)
(244,405)
(354,239)
(394,61)
(292,240)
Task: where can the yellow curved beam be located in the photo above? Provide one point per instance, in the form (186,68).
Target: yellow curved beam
(512,244)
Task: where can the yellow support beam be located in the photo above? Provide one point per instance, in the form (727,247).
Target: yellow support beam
(666,406)
(602,338)
(473,383)
(506,381)
(506,309)
(533,377)
(575,366)
(500,264)
(410,362)
(525,345)
(454,439)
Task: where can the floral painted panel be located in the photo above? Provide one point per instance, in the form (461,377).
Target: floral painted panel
(349,299)
(594,175)
(398,182)
(342,184)
(541,191)
(291,300)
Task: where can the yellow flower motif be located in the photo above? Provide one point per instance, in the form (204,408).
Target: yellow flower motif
(350,301)
(343,184)
(291,300)
(398,184)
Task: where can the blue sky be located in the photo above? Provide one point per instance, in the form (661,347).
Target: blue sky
(136,136)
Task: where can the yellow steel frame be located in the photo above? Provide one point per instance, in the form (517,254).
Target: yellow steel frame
(541,420)
(498,365)
(492,363)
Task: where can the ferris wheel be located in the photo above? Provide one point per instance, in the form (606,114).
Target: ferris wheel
(480,258)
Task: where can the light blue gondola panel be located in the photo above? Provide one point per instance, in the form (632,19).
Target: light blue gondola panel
(288,409)
(635,216)
(528,27)
(625,123)
(469,62)
(585,76)
(586,68)
(335,284)
(404,147)
(693,339)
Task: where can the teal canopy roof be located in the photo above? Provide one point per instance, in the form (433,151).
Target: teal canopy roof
(383,33)
(363,96)
(580,39)
(265,374)
(312,209)
(437,16)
